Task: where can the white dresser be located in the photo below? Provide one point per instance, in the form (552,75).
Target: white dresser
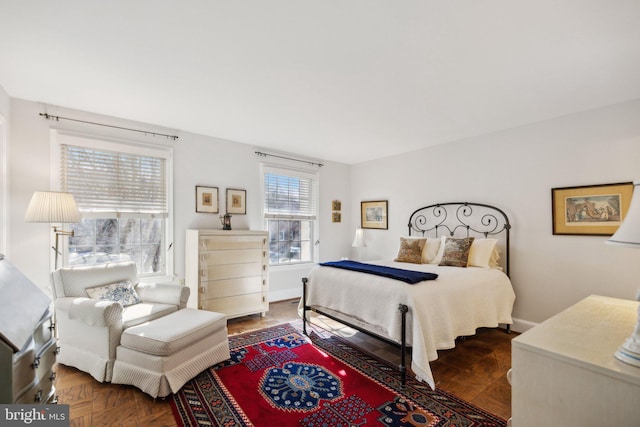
(564,372)
(228,271)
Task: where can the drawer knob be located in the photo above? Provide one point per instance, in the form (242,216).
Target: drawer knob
(57,350)
(38,396)
(52,378)
(36,362)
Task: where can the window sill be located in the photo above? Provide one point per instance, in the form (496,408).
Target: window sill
(158,279)
(296,266)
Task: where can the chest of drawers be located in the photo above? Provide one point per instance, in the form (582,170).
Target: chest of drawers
(227,271)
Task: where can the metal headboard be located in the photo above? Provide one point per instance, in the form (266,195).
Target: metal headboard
(462,219)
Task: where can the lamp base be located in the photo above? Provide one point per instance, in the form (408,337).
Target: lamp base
(627,355)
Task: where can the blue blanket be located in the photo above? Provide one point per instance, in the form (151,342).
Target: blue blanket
(407,276)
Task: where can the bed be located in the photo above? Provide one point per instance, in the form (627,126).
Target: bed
(464,244)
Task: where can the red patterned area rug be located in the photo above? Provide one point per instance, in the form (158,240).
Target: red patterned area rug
(278,377)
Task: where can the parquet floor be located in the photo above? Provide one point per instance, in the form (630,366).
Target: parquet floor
(474,371)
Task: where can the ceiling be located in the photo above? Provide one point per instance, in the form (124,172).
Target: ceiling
(347,81)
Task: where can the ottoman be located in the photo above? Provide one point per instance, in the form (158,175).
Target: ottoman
(161,355)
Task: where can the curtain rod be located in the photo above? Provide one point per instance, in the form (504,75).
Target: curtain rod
(261,154)
(58,118)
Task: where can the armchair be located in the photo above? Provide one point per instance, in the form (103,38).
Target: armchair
(89,330)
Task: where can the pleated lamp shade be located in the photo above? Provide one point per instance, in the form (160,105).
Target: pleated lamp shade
(53,207)
(628,234)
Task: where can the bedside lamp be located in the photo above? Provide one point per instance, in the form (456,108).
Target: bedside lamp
(628,234)
(53,207)
(358,241)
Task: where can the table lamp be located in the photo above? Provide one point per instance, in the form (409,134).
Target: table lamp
(53,207)
(628,234)
(358,241)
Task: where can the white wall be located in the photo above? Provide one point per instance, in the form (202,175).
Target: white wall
(4,191)
(516,170)
(198,160)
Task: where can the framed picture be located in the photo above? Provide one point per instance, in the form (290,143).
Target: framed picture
(590,209)
(206,199)
(236,201)
(336,205)
(336,217)
(374,214)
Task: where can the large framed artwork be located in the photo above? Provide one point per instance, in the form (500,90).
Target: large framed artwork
(206,199)
(374,214)
(590,209)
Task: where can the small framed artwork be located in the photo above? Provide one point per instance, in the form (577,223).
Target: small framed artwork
(374,214)
(590,209)
(236,201)
(336,217)
(206,199)
(336,205)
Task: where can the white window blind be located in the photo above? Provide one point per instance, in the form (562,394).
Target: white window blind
(108,181)
(289,195)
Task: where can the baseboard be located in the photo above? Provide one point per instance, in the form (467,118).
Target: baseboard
(285,294)
(521,326)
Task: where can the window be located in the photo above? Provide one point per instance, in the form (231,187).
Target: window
(122,192)
(290,214)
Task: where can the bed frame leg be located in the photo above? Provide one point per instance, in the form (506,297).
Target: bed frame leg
(403,345)
(304,305)
(508,328)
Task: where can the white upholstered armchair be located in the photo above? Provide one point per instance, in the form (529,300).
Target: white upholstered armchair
(89,329)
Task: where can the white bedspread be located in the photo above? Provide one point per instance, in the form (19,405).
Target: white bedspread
(458,302)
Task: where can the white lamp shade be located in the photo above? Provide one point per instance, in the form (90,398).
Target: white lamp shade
(358,240)
(628,234)
(53,207)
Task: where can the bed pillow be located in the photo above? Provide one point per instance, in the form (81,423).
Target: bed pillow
(410,250)
(122,292)
(481,252)
(495,257)
(456,251)
(431,249)
(438,257)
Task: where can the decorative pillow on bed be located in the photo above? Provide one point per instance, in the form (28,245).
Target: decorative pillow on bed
(456,251)
(430,249)
(122,292)
(411,250)
(481,252)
